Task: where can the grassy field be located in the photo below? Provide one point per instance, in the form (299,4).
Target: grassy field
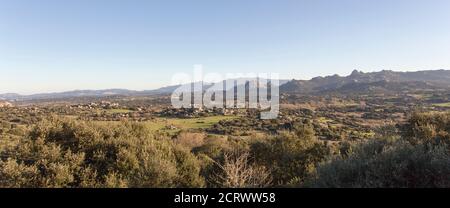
(172,125)
(442,104)
(112,111)
(324,120)
(188,123)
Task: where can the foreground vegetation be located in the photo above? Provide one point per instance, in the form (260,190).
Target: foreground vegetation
(67,152)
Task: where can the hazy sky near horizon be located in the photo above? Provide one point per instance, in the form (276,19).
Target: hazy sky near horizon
(58,45)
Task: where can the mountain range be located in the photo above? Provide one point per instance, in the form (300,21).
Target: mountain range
(356,82)
(360,82)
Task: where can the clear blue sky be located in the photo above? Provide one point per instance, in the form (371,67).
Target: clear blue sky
(59,45)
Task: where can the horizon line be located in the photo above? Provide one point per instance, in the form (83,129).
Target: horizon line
(168,85)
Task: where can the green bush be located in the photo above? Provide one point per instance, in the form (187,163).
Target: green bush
(427,127)
(386,164)
(68,153)
(291,156)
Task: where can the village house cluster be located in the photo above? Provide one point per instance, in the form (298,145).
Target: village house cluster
(93,105)
(4,104)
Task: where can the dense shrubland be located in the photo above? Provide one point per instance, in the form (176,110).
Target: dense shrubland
(418,158)
(67,153)
(62,152)
(388,164)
